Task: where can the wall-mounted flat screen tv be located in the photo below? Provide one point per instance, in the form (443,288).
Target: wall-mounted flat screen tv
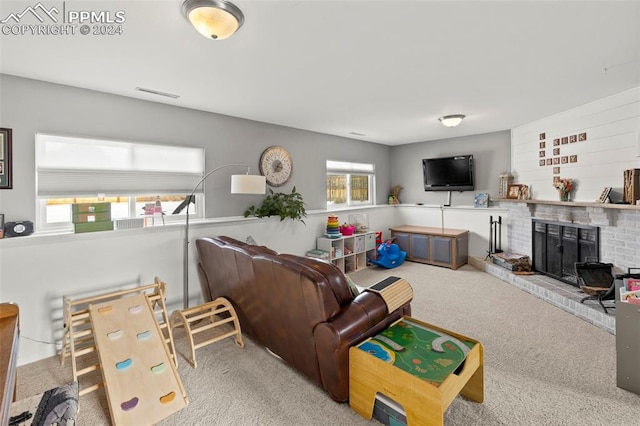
(448,173)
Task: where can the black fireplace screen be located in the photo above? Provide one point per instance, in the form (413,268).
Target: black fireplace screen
(558,246)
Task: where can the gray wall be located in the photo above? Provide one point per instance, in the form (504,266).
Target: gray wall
(77,265)
(492,156)
(30,106)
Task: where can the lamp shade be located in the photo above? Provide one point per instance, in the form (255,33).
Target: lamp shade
(451,120)
(214,19)
(248,184)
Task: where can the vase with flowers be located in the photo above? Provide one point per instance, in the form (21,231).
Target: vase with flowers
(564,187)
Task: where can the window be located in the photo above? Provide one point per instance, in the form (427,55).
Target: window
(350,184)
(128,175)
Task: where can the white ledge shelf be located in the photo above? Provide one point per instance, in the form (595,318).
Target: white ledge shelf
(573,204)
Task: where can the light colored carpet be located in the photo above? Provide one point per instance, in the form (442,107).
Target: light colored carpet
(543,366)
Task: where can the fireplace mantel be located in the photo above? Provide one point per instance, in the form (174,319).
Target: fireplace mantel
(573,204)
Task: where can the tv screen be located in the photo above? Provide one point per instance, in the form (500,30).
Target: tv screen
(448,173)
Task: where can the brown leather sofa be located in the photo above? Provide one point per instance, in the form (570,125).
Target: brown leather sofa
(300,308)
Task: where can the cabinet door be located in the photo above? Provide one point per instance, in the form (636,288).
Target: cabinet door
(441,249)
(462,250)
(419,247)
(402,240)
(627,346)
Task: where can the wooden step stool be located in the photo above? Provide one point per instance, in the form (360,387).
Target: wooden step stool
(194,320)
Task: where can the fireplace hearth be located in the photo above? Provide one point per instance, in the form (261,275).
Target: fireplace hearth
(558,246)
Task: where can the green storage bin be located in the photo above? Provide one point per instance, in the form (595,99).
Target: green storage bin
(91,208)
(92,217)
(93,226)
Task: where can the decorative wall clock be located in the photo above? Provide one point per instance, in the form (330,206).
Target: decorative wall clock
(276,165)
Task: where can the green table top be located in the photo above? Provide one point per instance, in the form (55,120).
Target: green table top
(428,354)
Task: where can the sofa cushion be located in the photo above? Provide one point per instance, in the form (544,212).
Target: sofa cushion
(332,275)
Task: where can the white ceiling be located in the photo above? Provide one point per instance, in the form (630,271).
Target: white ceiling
(385,69)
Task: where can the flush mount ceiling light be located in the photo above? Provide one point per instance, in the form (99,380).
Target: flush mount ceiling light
(215,19)
(451,120)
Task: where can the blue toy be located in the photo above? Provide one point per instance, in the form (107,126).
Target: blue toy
(389,255)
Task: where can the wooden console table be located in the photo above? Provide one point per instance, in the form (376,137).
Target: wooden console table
(9,336)
(435,246)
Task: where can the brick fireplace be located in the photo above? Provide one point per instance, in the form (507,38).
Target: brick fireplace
(618,227)
(619,244)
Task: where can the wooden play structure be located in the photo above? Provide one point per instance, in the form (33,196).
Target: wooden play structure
(140,377)
(78,341)
(206,317)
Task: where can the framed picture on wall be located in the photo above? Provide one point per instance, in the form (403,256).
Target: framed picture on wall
(514,192)
(5,159)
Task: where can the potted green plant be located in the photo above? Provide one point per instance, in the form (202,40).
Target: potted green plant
(289,205)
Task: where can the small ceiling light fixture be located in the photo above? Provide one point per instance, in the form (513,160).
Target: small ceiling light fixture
(215,19)
(451,120)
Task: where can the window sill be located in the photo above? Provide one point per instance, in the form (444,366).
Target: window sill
(49,237)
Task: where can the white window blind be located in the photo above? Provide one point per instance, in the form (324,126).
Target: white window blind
(350,168)
(74,166)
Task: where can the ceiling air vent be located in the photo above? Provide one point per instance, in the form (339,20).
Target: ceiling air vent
(156,92)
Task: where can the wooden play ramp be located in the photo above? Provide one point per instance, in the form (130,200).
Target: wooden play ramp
(140,378)
(122,341)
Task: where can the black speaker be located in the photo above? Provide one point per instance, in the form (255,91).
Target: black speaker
(18,229)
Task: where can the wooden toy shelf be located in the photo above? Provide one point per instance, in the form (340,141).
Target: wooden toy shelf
(349,252)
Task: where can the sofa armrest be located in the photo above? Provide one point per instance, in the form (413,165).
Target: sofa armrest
(364,317)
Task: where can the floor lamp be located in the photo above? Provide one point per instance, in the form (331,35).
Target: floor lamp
(240,184)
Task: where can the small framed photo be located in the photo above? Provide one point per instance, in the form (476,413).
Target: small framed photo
(543,145)
(582,136)
(549,161)
(573,138)
(556,170)
(556,151)
(565,140)
(564,160)
(556,142)
(556,160)
(542,162)
(481,200)
(543,136)
(513,193)
(573,158)
(541,154)
(6,171)
(604,195)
